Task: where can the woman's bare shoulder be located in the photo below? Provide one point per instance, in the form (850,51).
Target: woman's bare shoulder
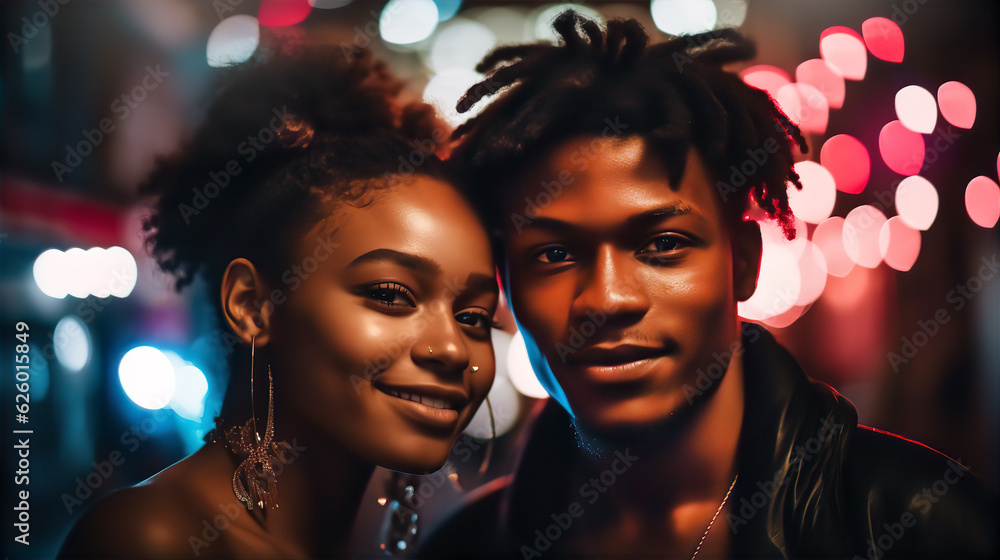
(171,515)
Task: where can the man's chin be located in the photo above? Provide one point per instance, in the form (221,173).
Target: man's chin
(606,429)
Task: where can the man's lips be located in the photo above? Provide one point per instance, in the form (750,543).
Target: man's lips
(616,363)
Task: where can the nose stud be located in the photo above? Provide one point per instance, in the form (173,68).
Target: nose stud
(430,350)
(474,369)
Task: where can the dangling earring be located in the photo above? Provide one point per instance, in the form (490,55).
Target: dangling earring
(400,528)
(255,482)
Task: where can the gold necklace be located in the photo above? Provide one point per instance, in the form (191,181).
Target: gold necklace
(717,512)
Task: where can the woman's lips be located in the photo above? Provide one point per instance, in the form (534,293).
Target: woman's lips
(434,406)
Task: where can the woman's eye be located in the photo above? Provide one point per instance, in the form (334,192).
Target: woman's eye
(553,255)
(474,319)
(390,294)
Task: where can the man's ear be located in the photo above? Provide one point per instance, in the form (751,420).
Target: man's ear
(242,291)
(746,245)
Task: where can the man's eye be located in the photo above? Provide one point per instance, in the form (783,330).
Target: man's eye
(553,255)
(665,244)
(474,319)
(390,294)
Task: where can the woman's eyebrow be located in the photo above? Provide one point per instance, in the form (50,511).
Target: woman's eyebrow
(407,260)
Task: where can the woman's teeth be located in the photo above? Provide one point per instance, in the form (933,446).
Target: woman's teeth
(422,399)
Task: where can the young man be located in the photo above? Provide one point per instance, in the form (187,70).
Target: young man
(674,430)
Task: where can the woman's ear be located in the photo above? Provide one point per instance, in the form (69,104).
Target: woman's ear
(242,292)
(746,245)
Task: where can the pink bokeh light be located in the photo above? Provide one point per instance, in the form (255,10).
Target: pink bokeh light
(958,104)
(817,73)
(844,49)
(766,77)
(917,202)
(982,201)
(899,244)
(805,106)
(815,201)
(862,227)
(828,236)
(280,13)
(812,269)
(902,149)
(848,161)
(916,109)
(884,39)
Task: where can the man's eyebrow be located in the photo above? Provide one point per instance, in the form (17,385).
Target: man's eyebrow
(414,262)
(649,217)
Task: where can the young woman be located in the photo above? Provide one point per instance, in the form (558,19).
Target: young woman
(357,288)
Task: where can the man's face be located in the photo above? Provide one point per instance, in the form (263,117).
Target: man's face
(626,284)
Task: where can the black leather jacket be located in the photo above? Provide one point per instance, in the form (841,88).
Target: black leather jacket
(812,483)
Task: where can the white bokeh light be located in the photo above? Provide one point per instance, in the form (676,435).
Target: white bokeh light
(233,41)
(71,342)
(519,369)
(147,376)
(681,17)
(404,22)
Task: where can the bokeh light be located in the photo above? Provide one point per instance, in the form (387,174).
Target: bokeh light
(813,273)
(95,272)
(730,13)
(447,8)
(147,376)
(766,77)
(519,369)
(460,43)
(829,237)
(805,106)
(817,73)
(982,201)
(280,13)
(916,109)
(503,397)
(899,244)
(778,285)
(862,228)
(815,201)
(958,104)
(771,232)
(844,49)
(902,149)
(884,39)
(71,342)
(188,400)
(917,202)
(329,4)
(848,161)
(680,17)
(446,88)
(404,22)
(233,41)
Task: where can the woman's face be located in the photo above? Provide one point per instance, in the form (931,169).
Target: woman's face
(383,342)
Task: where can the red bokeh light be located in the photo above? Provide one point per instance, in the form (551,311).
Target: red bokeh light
(958,104)
(280,13)
(902,149)
(848,160)
(884,39)
(982,201)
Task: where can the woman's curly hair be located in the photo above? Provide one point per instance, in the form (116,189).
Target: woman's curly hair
(675,94)
(288,133)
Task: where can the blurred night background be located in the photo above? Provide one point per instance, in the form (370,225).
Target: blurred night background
(92,92)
